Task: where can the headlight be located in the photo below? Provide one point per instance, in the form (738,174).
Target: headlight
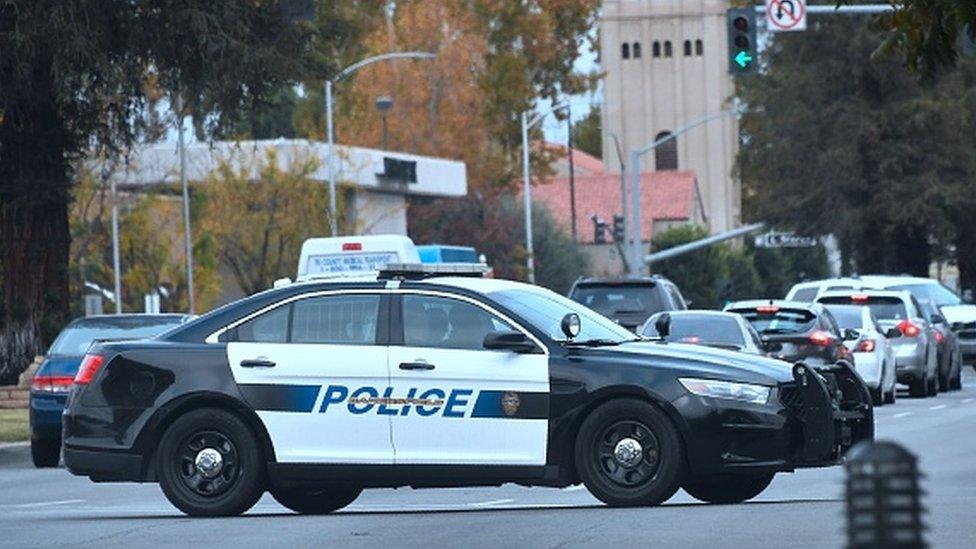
(743,392)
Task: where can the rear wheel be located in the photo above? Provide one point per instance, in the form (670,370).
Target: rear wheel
(956,383)
(629,454)
(727,488)
(877,398)
(932,386)
(890,396)
(918,388)
(316,501)
(45,453)
(208,464)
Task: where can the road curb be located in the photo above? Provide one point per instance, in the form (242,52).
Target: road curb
(14,452)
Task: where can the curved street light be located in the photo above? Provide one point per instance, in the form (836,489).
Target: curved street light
(333,217)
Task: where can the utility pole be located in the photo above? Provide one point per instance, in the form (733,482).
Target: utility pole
(187,238)
(572,171)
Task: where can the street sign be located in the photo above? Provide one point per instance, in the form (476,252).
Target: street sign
(786,15)
(774,239)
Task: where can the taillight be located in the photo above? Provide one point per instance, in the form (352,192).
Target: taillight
(939,338)
(859,298)
(821,338)
(767,309)
(89,367)
(865,346)
(908,329)
(52,384)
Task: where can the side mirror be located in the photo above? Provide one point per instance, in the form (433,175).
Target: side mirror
(937,319)
(663,325)
(851,334)
(509,340)
(893,333)
(570,325)
(772,346)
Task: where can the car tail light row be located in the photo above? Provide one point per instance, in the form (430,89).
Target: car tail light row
(865,346)
(821,338)
(939,338)
(52,384)
(908,329)
(89,367)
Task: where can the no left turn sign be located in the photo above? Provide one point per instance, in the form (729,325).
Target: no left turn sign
(786,15)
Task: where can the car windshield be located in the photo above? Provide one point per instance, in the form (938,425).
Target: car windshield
(78,337)
(884,308)
(847,316)
(545,311)
(703,329)
(779,321)
(934,292)
(619,299)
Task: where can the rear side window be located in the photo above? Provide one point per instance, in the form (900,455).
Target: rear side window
(884,308)
(622,299)
(779,321)
(336,319)
(805,295)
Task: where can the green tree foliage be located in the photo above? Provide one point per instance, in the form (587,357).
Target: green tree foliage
(587,135)
(74,74)
(495,226)
(701,274)
(837,143)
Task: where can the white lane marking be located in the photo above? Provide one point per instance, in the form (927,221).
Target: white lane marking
(490,503)
(574,488)
(938,407)
(47,503)
(967,400)
(903,414)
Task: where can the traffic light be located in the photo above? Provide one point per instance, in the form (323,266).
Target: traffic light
(599,230)
(618,228)
(743,51)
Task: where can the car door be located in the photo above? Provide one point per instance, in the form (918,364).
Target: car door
(309,368)
(457,402)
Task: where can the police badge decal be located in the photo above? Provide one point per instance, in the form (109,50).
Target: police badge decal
(510,403)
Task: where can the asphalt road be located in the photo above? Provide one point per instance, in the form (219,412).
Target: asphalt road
(41,508)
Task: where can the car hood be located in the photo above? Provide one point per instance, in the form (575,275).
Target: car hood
(711,361)
(60,366)
(959,313)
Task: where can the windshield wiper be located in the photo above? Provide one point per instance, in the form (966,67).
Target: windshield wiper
(593,342)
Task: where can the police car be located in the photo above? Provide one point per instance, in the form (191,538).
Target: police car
(316,390)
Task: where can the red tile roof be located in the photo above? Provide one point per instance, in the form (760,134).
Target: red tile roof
(665,195)
(581,160)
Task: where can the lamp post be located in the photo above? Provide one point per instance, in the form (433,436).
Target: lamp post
(634,227)
(383,104)
(527,183)
(187,240)
(333,209)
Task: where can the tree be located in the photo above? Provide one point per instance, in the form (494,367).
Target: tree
(259,225)
(73,75)
(587,135)
(855,147)
(701,274)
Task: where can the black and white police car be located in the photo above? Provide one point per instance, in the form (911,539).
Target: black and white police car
(317,390)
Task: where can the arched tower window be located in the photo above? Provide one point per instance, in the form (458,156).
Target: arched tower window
(637,50)
(666,154)
(699,48)
(625,50)
(667,48)
(687,48)
(656,49)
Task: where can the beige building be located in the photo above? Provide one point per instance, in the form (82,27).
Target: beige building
(666,65)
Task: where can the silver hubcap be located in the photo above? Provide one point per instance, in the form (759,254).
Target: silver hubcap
(628,452)
(209,462)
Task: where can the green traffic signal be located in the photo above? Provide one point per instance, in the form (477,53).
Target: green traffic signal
(742,59)
(741,28)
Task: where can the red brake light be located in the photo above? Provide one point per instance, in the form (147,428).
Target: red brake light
(821,338)
(89,367)
(859,298)
(939,337)
(908,329)
(52,384)
(767,309)
(865,346)
(352,247)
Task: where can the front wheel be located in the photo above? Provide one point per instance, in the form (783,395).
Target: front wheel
(727,488)
(45,453)
(316,501)
(209,464)
(629,454)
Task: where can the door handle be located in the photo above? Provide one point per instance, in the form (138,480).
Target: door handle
(257,363)
(418,365)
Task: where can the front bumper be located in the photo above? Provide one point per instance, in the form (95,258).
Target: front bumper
(811,422)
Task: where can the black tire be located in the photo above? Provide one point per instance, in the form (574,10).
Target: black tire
(918,388)
(932,386)
(727,488)
(657,468)
(237,483)
(316,501)
(45,453)
(877,398)
(890,396)
(956,384)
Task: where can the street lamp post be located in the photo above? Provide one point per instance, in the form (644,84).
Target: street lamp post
(187,239)
(527,184)
(333,209)
(635,155)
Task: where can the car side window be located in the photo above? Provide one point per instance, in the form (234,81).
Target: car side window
(349,319)
(269,327)
(440,322)
(676,297)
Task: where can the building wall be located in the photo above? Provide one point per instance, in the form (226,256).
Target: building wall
(646,96)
